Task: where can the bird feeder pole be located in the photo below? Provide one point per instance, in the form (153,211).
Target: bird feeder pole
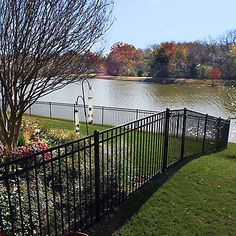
(85,113)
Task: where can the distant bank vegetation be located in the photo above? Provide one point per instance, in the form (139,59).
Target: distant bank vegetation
(212,59)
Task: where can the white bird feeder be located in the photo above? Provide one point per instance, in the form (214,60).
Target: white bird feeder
(90,109)
(77,125)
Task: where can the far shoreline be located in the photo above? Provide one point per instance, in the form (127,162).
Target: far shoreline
(182,81)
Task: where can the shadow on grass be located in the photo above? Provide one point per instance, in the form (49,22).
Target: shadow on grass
(231,157)
(119,216)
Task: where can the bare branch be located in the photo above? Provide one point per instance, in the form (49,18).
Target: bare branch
(40,42)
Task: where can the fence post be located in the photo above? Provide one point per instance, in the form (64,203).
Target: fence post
(97,174)
(166,139)
(74,112)
(102,115)
(204,135)
(218,133)
(30,111)
(183,134)
(50,110)
(136,114)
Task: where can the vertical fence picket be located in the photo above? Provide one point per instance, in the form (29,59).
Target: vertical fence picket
(30,111)
(1,222)
(198,123)
(97,174)
(204,134)
(183,133)
(166,140)
(102,116)
(177,129)
(218,133)
(50,110)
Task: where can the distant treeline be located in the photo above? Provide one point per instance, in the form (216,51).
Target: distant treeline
(212,59)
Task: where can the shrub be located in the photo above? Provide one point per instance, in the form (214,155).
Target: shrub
(59,136)
(140,73)
(215,73)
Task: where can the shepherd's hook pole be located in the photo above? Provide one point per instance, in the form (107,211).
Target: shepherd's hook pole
(85,114)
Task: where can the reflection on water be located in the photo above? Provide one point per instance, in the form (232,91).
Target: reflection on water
(216,101)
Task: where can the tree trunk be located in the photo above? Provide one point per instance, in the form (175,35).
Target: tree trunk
(10,135)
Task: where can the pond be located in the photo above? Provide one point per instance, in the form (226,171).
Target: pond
(216,101)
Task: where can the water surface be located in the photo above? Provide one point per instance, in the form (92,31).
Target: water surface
(216,101)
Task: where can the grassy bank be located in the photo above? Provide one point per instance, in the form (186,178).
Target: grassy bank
(204,82)
(122,78)
(198,198)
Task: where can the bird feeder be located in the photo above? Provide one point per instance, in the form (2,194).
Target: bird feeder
(90,109)
(76,113)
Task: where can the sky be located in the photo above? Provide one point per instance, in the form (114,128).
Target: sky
(146,22)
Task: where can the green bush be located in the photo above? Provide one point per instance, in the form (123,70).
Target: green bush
(140,73)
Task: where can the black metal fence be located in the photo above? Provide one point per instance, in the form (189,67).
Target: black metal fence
(102,114)
(68,187)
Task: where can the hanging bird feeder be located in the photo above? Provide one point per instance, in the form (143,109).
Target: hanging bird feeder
(90,109)
(76,114)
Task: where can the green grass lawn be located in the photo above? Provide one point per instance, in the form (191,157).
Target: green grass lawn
(198,198)
(66,124)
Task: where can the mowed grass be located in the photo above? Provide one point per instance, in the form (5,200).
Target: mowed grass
(147,150)
(198,198)
(66,124)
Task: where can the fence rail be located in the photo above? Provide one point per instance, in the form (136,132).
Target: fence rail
(102,114)
(68,187)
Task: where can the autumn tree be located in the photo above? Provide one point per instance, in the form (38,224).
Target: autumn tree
(214,73)
(147,60)
(123,59)
(39,40)
(90,59)
(232,60)
(159,67)
(178,61)
(170,60)
(196,54)
(143,68)
(203,71)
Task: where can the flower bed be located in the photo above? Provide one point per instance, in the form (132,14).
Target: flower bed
(35,137)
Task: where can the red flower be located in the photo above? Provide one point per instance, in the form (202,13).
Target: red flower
(36,139)
(47,155)
(36,146)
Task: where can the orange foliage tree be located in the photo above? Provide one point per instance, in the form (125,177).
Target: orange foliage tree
(171,60)
(123,59)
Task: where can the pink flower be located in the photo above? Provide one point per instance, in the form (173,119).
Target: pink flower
(47,155)
(36,139)
(44,146)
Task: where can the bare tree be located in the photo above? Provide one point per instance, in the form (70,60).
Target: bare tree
(39,41)
(225,42)
(228,39)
